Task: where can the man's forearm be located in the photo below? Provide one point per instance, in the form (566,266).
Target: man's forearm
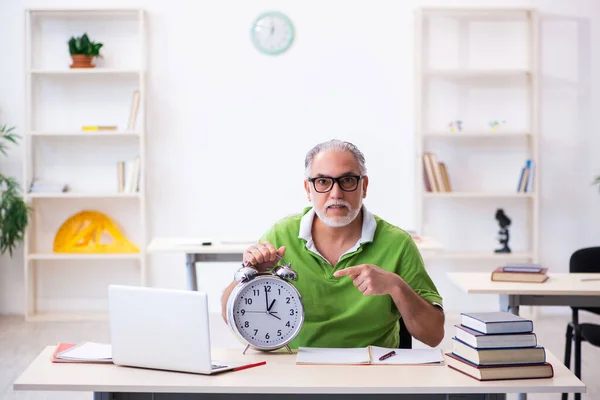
(225,298)
(424,320)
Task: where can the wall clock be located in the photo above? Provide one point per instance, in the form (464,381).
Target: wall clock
(272,33)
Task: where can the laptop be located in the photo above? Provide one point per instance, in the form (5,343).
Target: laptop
(163,329)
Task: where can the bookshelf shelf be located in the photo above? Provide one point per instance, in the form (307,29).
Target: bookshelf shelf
(87,12)
(92,134)
(105,176)
(478,255)
(86,71)
(464,87)
(479,195)
(477,135)
(79,257)
(74,195)
(478,74)
(71,317)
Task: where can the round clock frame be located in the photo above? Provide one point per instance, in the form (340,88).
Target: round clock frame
(281,35)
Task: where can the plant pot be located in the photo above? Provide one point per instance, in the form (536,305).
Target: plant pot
(81,61)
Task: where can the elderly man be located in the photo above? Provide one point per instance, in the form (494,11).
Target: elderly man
(357,273)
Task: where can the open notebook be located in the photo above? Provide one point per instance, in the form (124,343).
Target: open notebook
(367,355)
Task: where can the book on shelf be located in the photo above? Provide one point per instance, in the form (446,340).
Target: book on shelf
(496,322)
(367,355)
(507,354)
(435,174)
(133,112)
(99,128)
(525,275)
(526,178)
(128,176)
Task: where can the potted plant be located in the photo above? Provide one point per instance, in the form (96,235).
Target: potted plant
(14,212)
(83,50)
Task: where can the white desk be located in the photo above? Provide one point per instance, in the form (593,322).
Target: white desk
(218,251)
(559,290)
(281,378)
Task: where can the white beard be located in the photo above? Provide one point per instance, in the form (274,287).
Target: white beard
(337,222)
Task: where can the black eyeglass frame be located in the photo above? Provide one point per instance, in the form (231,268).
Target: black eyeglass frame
(336,180)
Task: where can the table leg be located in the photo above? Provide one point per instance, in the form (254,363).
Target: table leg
(190,263)
(510,303)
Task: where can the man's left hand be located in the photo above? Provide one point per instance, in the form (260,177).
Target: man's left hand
(370,279)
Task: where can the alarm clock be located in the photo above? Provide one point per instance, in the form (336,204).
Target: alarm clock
(265,311)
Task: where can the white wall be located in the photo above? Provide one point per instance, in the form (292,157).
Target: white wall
(228,127)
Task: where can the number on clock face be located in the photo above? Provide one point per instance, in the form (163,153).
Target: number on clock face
(267,312)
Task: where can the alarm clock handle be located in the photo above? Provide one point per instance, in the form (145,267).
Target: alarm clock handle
(281,258)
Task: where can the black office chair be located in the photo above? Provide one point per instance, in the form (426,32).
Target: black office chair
(582,260)
(405,337)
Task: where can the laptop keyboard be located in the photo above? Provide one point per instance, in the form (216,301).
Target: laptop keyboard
(216,366)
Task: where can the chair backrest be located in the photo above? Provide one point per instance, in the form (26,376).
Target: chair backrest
(405,337)
(585,260)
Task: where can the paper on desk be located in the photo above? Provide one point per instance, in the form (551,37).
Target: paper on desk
(323,355)
(407,356)
(367,355)
(88,351)
(191,241)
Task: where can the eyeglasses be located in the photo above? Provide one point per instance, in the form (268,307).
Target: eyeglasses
(323,184)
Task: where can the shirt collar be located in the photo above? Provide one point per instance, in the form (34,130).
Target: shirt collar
(368,226)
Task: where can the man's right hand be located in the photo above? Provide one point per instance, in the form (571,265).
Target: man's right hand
(263,256)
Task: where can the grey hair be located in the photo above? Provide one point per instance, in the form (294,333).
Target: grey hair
(335,145)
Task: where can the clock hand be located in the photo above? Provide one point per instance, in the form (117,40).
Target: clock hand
(273,315)
(271,306)
(266,298)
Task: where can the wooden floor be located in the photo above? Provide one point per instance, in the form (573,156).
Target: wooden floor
(20,343)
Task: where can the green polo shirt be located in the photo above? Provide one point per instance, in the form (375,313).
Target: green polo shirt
(337,314)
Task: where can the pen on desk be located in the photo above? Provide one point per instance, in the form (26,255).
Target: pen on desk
(249,366)
(386,356)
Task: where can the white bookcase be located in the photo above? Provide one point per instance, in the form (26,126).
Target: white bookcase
(476,66)
(58,102)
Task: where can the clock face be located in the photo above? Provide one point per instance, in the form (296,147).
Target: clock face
(268,312)
(272,33)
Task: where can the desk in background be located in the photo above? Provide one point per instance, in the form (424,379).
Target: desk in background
(564,289)
(282,379)
(224,251)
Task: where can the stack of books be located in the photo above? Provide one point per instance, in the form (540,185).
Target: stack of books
(435,174)
(498,345)
(521,273)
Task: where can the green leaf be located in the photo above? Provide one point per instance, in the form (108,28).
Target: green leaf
(14,215)
(7,135)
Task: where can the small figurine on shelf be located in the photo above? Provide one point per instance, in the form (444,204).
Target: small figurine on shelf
(495,125)
(503,235)
(455,126)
